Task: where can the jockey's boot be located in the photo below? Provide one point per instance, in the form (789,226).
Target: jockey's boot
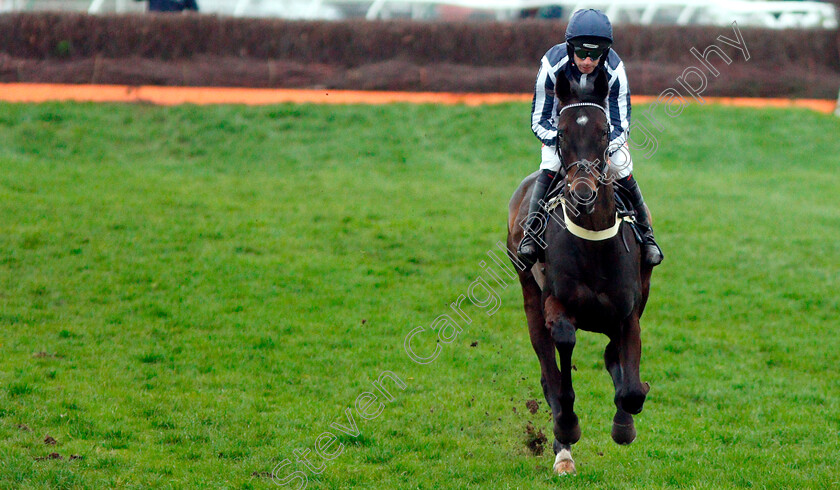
(529,249)
(651,253)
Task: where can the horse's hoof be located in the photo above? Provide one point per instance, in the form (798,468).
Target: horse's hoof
(623,434)
(564,464)
(623,428)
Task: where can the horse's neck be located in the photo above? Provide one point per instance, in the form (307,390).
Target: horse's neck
(603,211)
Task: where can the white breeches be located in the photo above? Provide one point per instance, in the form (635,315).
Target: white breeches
(621,164)
(550,158)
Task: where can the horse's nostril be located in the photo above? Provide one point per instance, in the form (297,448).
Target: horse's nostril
(582,193)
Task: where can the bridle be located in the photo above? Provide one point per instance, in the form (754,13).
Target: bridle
(584,165)
(582,104)
(577,104)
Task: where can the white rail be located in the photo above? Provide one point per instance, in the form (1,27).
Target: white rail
(772,14)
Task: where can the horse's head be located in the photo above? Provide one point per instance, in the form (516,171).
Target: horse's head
(583,134)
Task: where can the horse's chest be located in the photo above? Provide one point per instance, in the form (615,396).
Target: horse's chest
(595,303)
(585,298)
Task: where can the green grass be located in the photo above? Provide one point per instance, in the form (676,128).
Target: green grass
(189,295)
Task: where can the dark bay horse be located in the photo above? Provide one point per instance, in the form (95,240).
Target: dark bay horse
(592,278)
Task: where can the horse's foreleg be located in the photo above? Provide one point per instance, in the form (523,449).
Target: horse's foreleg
(630,393)
(542,343)
(566,427)
(623,429)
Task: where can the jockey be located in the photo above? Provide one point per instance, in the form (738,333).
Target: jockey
(587,48)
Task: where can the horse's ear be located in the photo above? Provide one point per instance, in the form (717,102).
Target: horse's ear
(602,85)
(596,90)
(563,90)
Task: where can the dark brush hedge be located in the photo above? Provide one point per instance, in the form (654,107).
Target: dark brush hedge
(646,78)
(174,37)
(40,36)
(464,57)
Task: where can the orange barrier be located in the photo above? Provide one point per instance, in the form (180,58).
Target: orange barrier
(17,92)
(35,92)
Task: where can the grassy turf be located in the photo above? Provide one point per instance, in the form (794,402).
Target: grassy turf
(189,295)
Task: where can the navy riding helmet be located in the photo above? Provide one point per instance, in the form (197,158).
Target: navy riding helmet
(589,31)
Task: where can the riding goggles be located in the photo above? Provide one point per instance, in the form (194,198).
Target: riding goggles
(594,53)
